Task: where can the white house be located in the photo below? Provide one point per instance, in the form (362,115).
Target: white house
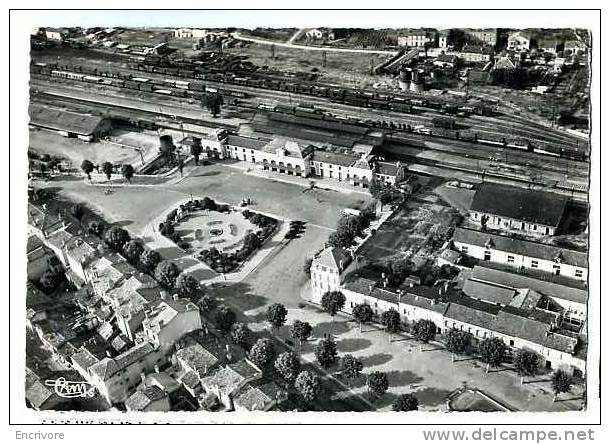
(519,41)
(327,268)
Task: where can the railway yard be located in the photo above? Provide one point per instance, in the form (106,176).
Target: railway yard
(242,171)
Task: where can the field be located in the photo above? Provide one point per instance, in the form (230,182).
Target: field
(346,69)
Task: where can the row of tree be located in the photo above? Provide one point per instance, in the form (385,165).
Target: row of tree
(127,170)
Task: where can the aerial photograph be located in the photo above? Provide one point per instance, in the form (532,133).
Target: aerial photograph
(308,219)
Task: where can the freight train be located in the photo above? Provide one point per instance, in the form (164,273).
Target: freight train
(197,89)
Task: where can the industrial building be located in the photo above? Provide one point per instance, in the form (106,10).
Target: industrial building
(69,124)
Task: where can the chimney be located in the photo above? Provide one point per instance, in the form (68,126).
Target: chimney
(108,353)
(175,297)
(370,288)
(156,368)
(143,377)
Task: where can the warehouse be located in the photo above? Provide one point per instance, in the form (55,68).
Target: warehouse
(69,124)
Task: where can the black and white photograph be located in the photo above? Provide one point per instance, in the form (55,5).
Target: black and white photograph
(300,217)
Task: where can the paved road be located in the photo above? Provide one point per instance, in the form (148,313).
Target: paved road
(238,36)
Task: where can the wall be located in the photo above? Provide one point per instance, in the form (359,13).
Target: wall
(507,223)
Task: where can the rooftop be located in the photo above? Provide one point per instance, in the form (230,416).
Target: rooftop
(333,257)
(61,120)
(522,247)
(334,158)
(197,357)
(518,203)
(142,398)
(516,281)
(107,367)
(246,142)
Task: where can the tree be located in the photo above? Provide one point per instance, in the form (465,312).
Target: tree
(206,303)
(351,367)
(333,302)
(561,383)
(276,315)
(406,402)
(390,319)
(424,331)
(108,169)
(363,314)
(77,211)
(307,267)
(127,171)
(132,251)
(251,242)
(96,227)
(307,385)
(492,351)
(116,237)
(50,279)
(87,168)
(457,342)
(526,362)
(149,259)
(225,318)
(377,383)
(241,335)
(166,274)
(213,103)
(187,285)
(196,150)
(288,366)
(326,352)
(300,331)
(262,352)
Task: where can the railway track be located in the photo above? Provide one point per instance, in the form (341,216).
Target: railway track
(482,125)
(413,161)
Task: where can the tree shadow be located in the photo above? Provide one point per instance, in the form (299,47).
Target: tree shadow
(122,223)
(206,174)
(239,295)
(325,328)
(376,359)
(349,345)
(401,378)
(431,396)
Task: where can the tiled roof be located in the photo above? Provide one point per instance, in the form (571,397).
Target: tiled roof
(514,280)
(522,247)
(142,398)
(162,312)
(84,358)
(256,398)
(246,142)
(108,367)
(333,257)
(387,168)
(63,120)
(292,148)
(488,292)
(468,311)
(229,378)
(518,203)
(197,357)
(334,158)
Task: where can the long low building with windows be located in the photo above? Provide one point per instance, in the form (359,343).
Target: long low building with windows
(300,158)
(521,311)
(521,254)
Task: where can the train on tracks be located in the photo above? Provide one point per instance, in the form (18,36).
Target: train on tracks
(195,87)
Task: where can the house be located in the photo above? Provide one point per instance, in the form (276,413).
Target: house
(477,54)
(521,254)
(116,378)
(194,362)
(326,269)
(443,38)
(227,381)
(549,46)
(507,61)
(86,127)
(574,47)
(519,41)
(262,398)
(38,258)
(56,34)
(190,33)
(244,148)
(166,321)
(148,399)
(417,38)
(389,173)
(483,37)
(571,300)
(333,165)
(320,34)
(517,209)
(446,61)
(39,395)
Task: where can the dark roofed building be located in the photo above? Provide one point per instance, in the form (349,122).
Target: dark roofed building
(69,124)
(521,254)
(513,208)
